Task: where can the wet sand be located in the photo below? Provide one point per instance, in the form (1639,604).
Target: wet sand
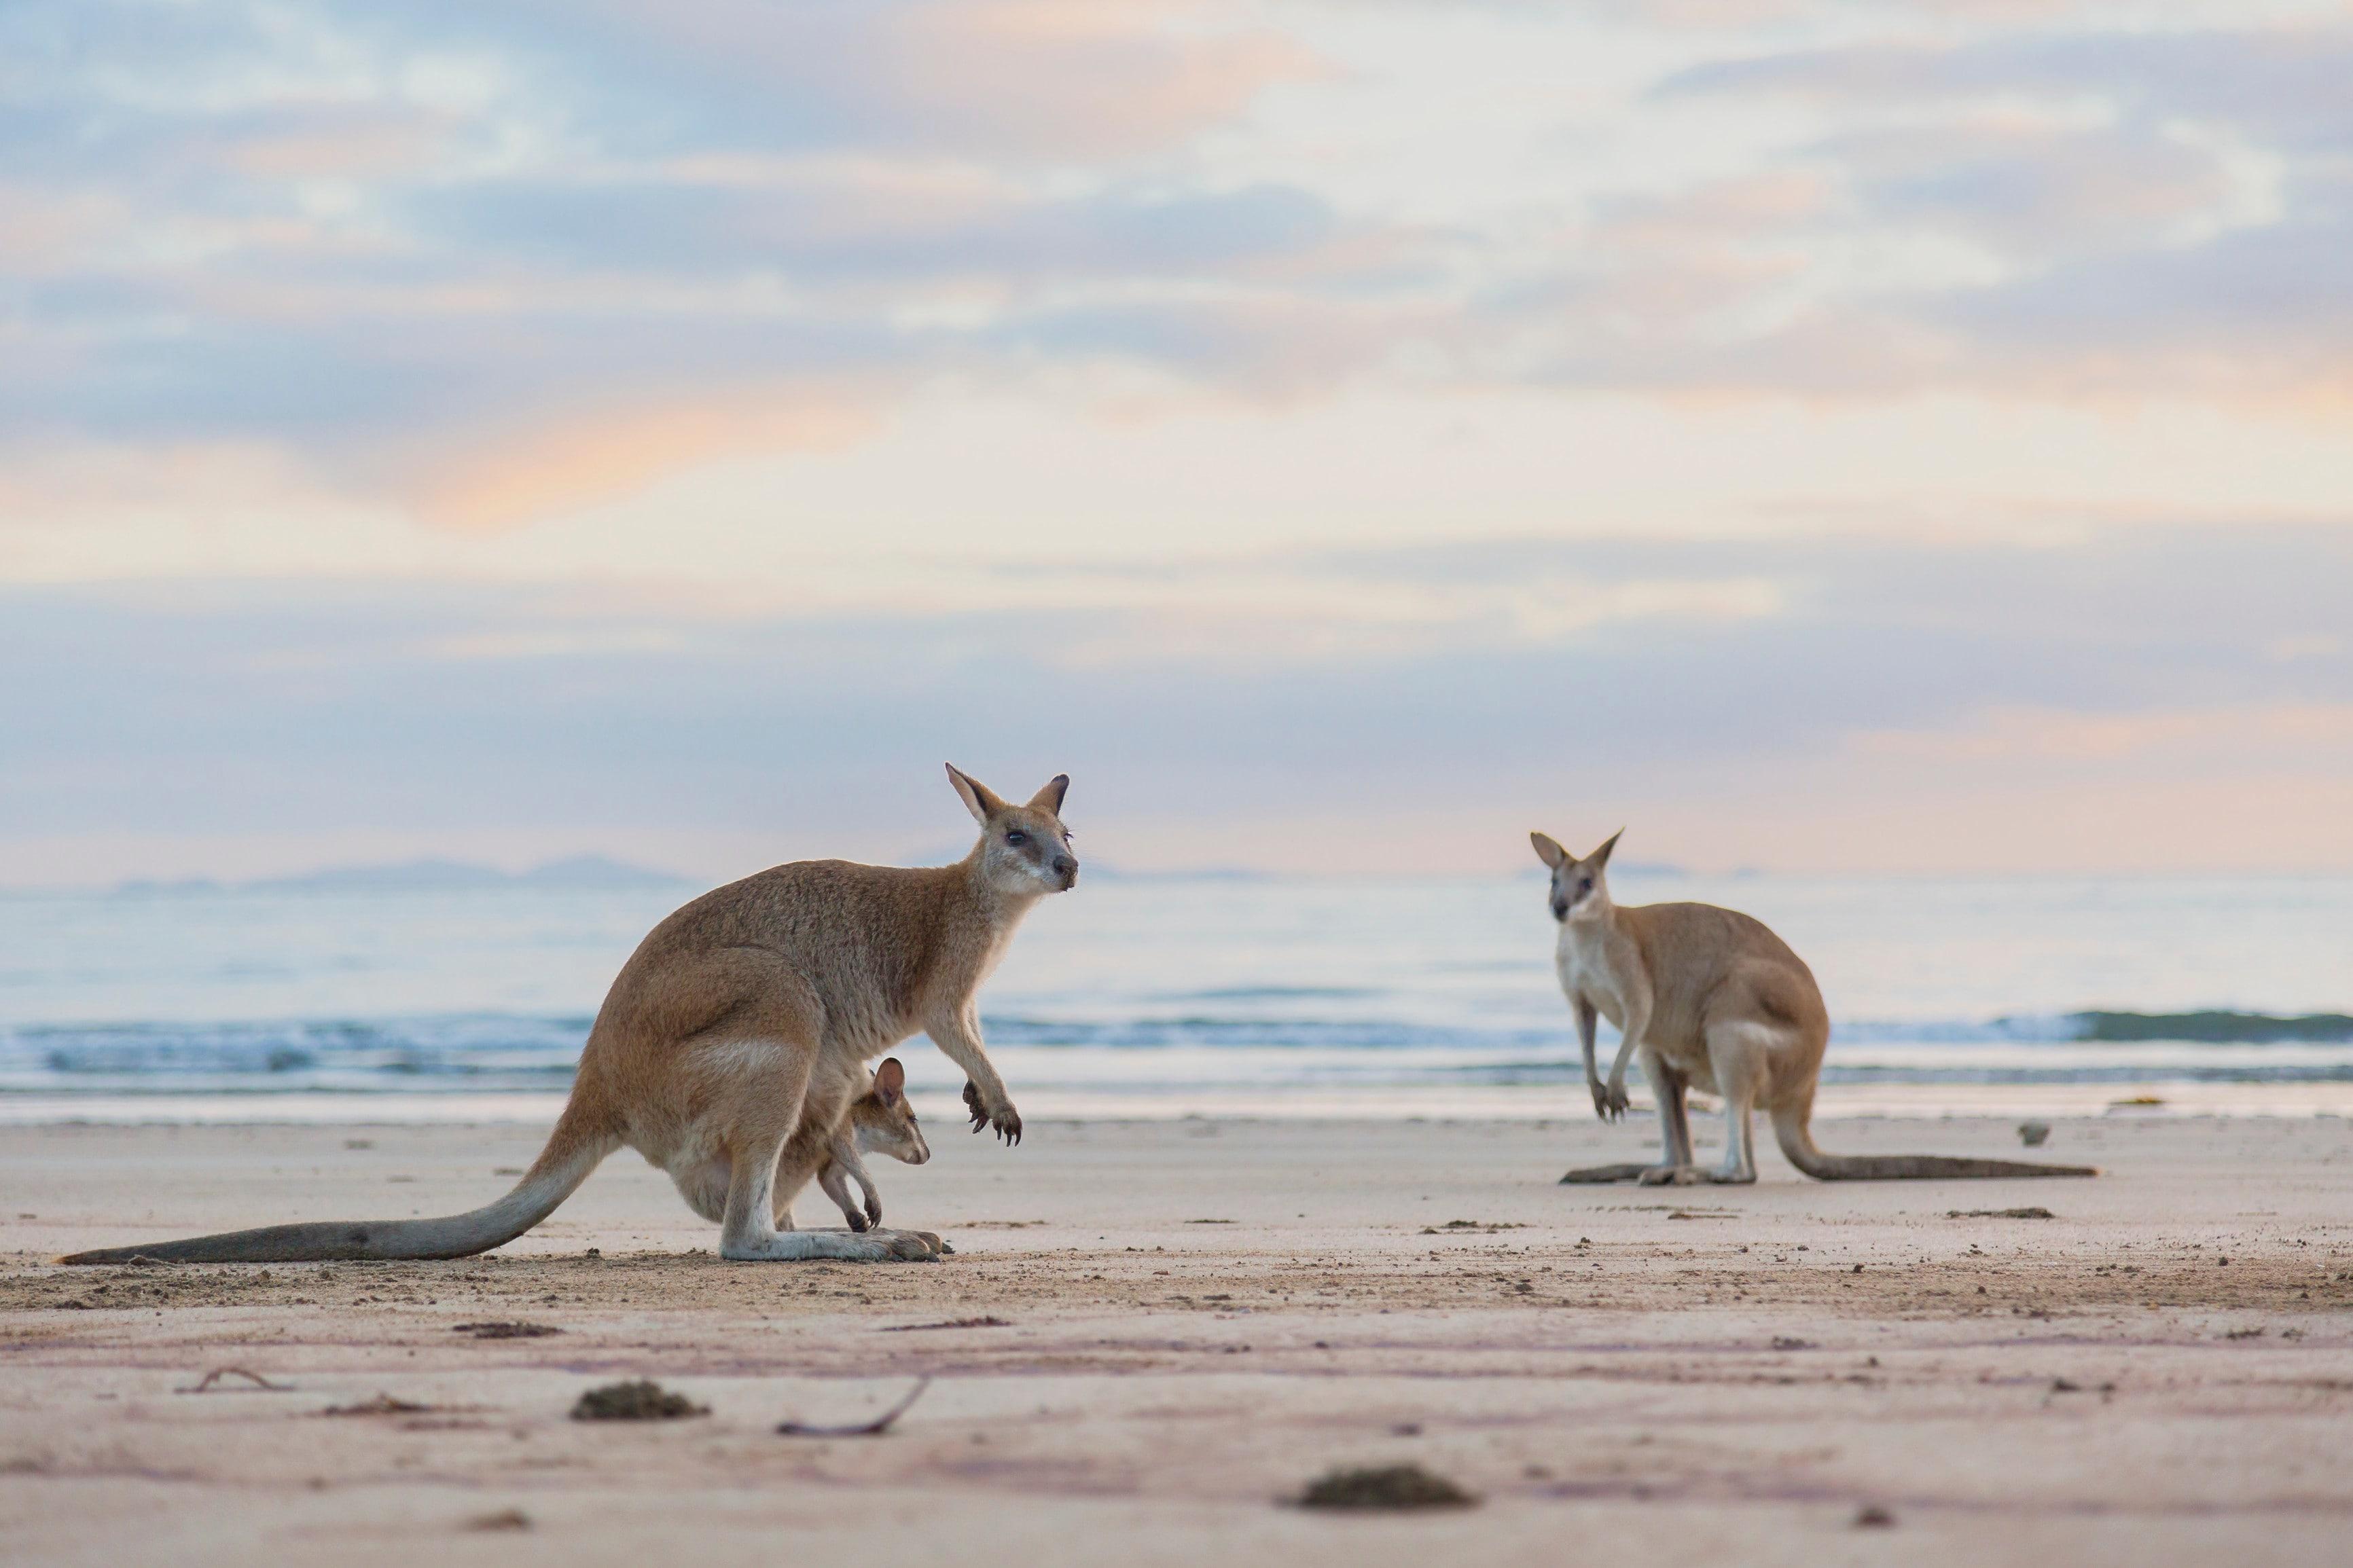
(1183,1323)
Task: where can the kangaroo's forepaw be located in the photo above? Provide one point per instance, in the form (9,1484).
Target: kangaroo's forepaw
(856,1221)
(873,1214)
(1003,1119)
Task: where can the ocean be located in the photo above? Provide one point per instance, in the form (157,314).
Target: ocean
(1176,996)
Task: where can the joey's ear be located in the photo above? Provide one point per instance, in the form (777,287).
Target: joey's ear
(1600,857)
(1049,799)
(890,1078)
(977,797)
(1549,851)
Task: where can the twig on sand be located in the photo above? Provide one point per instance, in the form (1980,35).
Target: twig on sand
(873,1428)
(991,1322)
(260,1383)
(382,1405)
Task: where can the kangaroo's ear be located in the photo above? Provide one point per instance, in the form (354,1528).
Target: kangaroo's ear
(1600,857)
(890,1079)
(977,797)
(1049,799)
(1549,851)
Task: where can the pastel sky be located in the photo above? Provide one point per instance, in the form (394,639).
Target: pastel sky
(1870,437)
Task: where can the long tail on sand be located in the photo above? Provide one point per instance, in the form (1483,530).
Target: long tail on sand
(1797,1141)
(574,1149)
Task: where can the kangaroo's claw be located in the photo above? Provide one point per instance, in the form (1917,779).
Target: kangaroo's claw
(1007,1122)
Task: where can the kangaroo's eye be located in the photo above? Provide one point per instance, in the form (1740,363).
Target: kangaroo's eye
(1585,885)
(1016,836)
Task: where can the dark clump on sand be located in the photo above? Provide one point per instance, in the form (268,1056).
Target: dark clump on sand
(505,1518)
(643,1400)
(1384,1487)
(506,1330)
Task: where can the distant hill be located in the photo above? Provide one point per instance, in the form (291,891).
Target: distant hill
(597,872)
(947,852)
(1627,869)
(584,872)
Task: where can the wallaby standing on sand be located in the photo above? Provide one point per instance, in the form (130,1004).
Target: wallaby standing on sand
(736,1036)
(1713,999)
(879,1122)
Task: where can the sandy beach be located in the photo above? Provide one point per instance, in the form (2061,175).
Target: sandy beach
(1154,1333)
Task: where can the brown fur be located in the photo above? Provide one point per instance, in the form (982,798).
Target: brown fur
(879,1122)
(1710,999)
(735,1040)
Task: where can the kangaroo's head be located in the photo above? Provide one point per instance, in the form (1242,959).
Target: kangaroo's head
(884,1121)
(1024,850)
(1579,892)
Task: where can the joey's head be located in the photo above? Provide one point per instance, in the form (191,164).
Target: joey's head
(1579,890)
(884,1121)
(1024,850)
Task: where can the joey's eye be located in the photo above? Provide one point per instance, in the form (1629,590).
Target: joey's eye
(1585,885)
(1016,836)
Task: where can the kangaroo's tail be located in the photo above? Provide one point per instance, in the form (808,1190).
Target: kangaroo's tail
(1797,1141)
(578,1143)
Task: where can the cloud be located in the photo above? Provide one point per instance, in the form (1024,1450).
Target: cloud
(620,240)
(1056,79)
(637,235)
(2074,214)
(1729,693)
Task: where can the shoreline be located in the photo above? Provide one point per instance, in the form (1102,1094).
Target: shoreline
(1541,1104)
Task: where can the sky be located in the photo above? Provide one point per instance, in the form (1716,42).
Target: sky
(1819,437)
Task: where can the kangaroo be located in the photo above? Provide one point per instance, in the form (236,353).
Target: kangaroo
(880,1121)
(1709,998)
(735,1037)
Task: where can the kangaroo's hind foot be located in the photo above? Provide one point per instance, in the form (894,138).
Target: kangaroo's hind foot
(1602,1175)
(841,1246)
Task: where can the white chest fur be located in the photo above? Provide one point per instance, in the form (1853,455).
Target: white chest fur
(1581,959)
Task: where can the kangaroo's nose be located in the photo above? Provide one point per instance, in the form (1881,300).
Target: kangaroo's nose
(1065,867)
